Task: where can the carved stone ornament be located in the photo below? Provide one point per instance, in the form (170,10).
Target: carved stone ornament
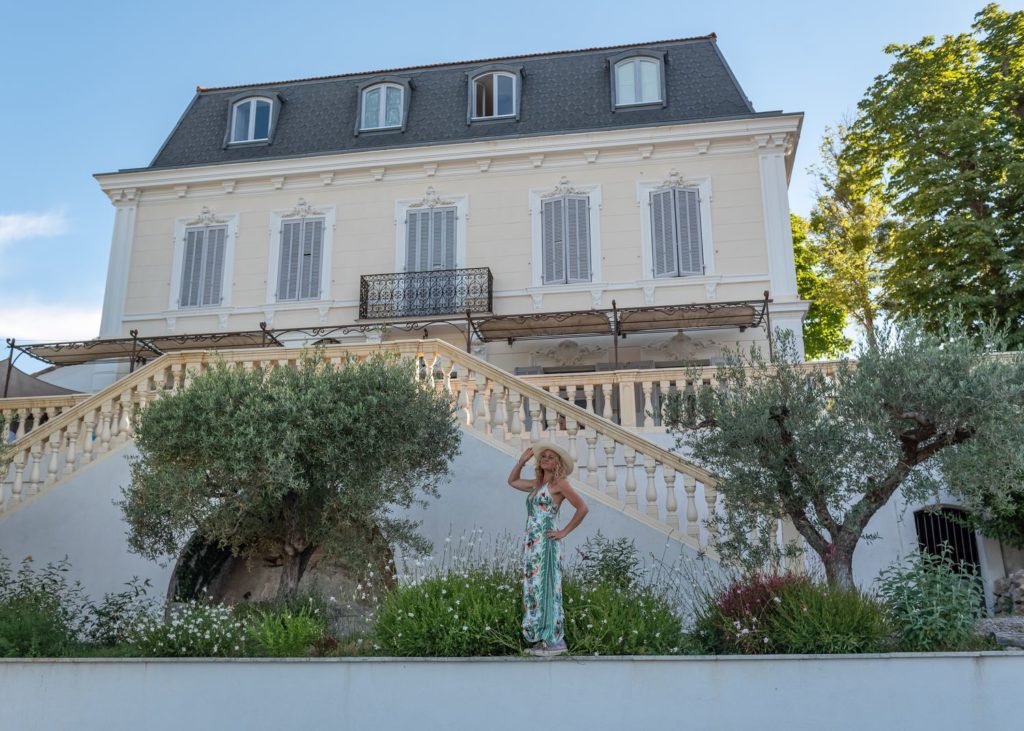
(303,209)
(431,200)
(679,347)
(568,352)
(564,187)
(206,217)
(674,180)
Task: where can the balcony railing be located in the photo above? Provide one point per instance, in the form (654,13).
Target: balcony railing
(418,294)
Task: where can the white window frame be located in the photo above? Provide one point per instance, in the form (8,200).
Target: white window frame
(252,100)
(515,95)
(537,196)
(277,218)
(402,207)
(181,228)
(644,190)
(382,106)
(659,65)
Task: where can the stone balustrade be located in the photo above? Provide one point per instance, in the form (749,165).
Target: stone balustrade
(616,465)
(19,416)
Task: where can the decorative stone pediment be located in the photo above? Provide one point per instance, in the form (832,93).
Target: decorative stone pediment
(303,209)
(674,180)
(206,217)
(564,187)
(681,347)
(567,353)
(431,200)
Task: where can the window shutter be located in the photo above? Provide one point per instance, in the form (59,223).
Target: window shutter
(312,259)
(213,270)
(291,252)
(417,241)
(191,269)
(688,229)
(663,234)
(553,225)
(577,238)
(448,258)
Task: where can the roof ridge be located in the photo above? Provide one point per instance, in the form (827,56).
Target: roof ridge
(204,89)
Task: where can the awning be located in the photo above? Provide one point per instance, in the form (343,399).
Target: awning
(690,317)
(15,383)
(542,325)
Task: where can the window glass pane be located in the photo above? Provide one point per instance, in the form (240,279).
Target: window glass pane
(483,96)
(393,112)
(649,87)
(625,86)
(371,109)
(240,131)
(506,95)
(262,128)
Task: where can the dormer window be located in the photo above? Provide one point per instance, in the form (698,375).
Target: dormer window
(638,79)
(250,120)
(382,107)
(494,92)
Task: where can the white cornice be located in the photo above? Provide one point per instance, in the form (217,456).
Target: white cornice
(698,136)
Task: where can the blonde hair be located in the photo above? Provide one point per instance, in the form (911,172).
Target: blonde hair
(557,474)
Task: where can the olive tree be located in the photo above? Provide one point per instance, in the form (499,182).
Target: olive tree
(273,463)
(827,449)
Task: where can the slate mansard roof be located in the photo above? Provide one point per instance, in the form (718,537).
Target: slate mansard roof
(561,92)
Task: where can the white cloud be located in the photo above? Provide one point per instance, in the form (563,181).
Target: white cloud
(20,226)
(48,323)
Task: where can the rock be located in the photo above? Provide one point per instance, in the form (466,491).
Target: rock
(1006,631)
(1008,595)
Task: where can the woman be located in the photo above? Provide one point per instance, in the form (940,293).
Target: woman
(543,619)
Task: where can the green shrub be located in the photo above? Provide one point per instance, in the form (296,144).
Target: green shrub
(934,603)
(190,630)
(112,621)
(736,621)
(603,561)
(609,619)
(287,633)
(458,614)
(41,613)
(810,618)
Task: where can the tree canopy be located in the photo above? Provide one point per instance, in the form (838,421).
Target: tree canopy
(274,463)
(826,318)
(828,450)
(941,135)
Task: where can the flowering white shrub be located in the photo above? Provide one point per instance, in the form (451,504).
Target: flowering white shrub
(193,629)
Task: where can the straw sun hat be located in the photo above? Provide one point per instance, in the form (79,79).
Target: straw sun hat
(563,454)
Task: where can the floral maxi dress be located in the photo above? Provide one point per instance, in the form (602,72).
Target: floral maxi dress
(542,574)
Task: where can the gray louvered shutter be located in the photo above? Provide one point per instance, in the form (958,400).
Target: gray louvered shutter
(213,268)
(577,238)
(688,231)
(553,225)
(447,260)
(417,241)
(663,234)
(191,269)
(312,259)
(291,253)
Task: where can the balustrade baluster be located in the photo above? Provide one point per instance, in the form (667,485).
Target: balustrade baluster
(606,392)
(588,394)
(53,456)
(534,421)
(176,376)
(659,418)
(115,422)
(711,498)
(610,487)
(572,428)
(690,486)
(19,472)
(483,413)
(652,492)
(37,417)
(466,397)
(515,423)
(629,455)
(72,450)
(105,421)
(590,437)
(127,407)
(22,424)
(90,430)
(499,421)
(648,387)
(33,475)
(671,506)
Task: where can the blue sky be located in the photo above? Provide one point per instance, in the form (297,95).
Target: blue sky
(90,87)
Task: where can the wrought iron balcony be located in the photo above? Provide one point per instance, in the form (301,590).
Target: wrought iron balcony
(416,294)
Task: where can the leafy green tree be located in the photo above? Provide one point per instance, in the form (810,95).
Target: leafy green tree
(943,132)
(274,463)
(825,319)
(849,235)
(828,450)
